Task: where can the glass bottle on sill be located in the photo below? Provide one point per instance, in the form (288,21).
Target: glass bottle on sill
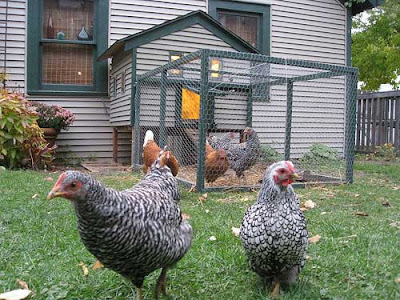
(50,28)
(83,35)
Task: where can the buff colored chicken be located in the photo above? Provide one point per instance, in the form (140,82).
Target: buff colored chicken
(151,151)
(216,163)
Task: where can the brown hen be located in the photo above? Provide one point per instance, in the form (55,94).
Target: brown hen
(216,163)
(150,154)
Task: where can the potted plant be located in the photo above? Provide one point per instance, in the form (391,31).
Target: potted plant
(52,119)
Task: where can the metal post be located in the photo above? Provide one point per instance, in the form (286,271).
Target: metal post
(163,108)
(249,116)
(203,121)
(289,107)
(351,102)
(136,144)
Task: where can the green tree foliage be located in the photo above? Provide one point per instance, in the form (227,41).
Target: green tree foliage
(376,46)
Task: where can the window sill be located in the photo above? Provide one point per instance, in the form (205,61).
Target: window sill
(66,93)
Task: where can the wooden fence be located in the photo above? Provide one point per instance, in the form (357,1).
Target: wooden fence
(378,120)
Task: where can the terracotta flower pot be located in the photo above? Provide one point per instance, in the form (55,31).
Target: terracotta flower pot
(50,135)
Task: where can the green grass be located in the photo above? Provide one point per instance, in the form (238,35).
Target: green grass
(356,258)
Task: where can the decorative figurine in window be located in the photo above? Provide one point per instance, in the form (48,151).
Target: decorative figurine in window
(83,35)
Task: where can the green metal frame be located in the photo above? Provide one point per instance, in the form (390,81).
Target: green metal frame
(206,98)
(262,10)
(34,59)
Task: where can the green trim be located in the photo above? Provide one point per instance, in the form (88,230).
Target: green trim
(34,59)
(180,23)
(68,93)
(262,10)
(133,85)
(177,24)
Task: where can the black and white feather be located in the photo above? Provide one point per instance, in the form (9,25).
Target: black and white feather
(274,231)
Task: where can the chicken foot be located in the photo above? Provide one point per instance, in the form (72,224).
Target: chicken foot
(161,283)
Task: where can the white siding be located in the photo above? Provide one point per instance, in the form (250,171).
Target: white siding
(16,35)
(91,134)
(311,30)
(129,17)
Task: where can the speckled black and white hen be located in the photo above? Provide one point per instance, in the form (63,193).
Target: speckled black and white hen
(133,232)
(244,155)
(274,231)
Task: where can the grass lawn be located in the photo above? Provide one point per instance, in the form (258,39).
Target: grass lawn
(358,257)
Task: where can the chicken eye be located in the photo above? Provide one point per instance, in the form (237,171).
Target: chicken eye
(73,184)
(282,171)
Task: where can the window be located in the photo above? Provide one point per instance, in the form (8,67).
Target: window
(250,21)
(64,46)
(175,55)
(216,68)
(123,82)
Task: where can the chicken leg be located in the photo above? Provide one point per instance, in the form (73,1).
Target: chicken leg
(275,290)
(161,283)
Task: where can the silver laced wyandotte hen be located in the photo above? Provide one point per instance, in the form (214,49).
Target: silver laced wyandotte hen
(274,230)
(244,155)
(132,232)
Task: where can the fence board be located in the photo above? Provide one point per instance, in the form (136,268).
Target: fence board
(378,120)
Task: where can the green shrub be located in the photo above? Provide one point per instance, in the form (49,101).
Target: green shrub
(320,154)
(269,154)
(20,137)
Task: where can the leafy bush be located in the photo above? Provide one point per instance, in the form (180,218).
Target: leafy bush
(20,136)
(320,154)
(269,154)
(54,116)
(387,152)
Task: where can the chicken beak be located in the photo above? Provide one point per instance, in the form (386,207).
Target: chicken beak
(55,192)
(294,177)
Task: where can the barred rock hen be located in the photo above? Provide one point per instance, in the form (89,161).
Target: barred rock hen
(133,232)
(222,142)
(273,230)
(216,163)
(244,155)
(151,151)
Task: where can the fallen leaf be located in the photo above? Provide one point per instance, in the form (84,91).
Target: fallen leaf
(185,216)
(356,195)
(308,257)
(361,214)
(309,204)
(97,265)
(386,203)
(192,189)
(15,295)
(48,179)
(85,270)
(212,238)
(331,196)
(207,211)
(395,224)
(34,196)
(398,280)
(324,213)
(396,188)
(314,239)
(201,199)
(205,195)
(235,231)
(303,208)
(22,284)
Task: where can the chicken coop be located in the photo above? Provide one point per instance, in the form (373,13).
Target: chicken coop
(226,116)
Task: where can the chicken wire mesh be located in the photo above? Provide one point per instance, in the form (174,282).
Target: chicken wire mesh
(227,116)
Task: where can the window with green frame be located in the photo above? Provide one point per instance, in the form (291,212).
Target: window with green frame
(250,21)
(65,37)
